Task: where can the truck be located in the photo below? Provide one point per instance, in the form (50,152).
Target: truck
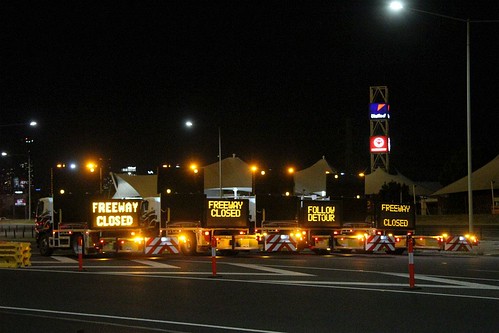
(387,227)
(399,222)
(292,223)
(199,222)
(78,217)
(392,226)
(92,227)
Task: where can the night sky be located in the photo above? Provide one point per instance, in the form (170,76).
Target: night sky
(285,81)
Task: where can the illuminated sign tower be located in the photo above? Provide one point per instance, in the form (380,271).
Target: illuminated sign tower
(379,116)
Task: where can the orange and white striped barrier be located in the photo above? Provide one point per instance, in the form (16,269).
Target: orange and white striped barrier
(457,243)
(160,245)
(410,250)
(275,243)
(380,242)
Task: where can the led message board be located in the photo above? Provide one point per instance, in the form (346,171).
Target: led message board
(379,111)
(396,216)
(115,214)
(321,213)
(227,213)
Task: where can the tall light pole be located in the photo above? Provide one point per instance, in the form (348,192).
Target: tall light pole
(91,166)
(220,162)
(397,6)
(189,124)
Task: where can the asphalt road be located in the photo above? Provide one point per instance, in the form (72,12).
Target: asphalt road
(252,293)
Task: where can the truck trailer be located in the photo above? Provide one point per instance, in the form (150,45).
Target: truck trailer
(95,226)
(198,222)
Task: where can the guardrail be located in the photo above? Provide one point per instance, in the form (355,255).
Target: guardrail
(17,231)
(15,254)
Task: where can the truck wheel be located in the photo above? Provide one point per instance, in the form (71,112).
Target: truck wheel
(228,253)
(320,251)
(189,247)
(44,247)
(397,251)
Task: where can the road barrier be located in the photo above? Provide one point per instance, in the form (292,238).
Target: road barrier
(160,245)
(15,254)
(457,243)
(380,242)
(277,242)
(17,231)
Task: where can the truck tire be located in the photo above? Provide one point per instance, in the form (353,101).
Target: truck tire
(44,246)
(397,251)
(228,253)
(189,247)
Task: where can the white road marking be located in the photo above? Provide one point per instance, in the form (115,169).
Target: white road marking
(457,283)
(155,264)
(402,285)
(269,269)
(155,273)
(65,260)
(144,320)
(361,286)
(89,266)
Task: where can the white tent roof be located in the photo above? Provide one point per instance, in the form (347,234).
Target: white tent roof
(312,180)
(132,186)
(235,173)
(375,180)
(482,179)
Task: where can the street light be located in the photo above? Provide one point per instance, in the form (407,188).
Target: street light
(91,166)
(30,123)
(397,6)
(189,124)
(253,169)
